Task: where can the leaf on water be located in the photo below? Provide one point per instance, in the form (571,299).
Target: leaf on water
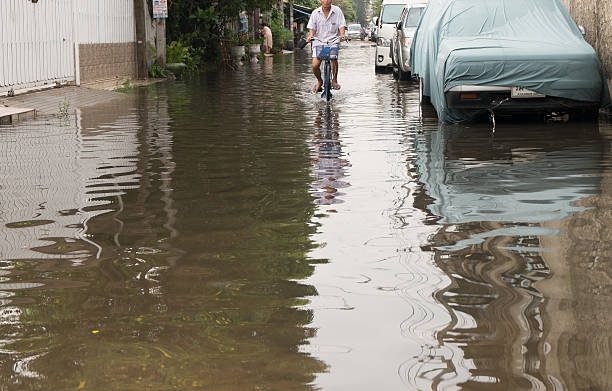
(81,385)
(95,331)
(163,352)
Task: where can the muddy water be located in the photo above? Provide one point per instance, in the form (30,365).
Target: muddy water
(236,233)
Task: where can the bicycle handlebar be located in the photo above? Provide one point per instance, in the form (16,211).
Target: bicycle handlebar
(303,42)
(326,42)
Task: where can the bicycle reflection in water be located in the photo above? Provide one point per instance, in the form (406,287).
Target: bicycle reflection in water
(329,166)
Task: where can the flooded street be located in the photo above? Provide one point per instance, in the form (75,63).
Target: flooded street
(237,233)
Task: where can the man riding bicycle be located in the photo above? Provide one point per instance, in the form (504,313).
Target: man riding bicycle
(326,24)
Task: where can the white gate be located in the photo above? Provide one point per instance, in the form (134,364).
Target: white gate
(39,39)
(105,21)
(36,43)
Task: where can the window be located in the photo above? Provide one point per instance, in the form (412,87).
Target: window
(413,17)
(391,13)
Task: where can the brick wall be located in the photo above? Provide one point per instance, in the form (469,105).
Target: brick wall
(103,61)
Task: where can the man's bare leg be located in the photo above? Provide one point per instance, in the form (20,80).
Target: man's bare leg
(316,69)
(335,84)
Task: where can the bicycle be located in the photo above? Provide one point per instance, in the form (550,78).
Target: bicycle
(325,56)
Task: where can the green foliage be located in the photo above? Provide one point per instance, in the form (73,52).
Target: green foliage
(348,8)
(376,4)
(157,71)
(256,41)
(177,52)
(64,109)
(200,24)
(354,10)
(280,35)
(308,3)
(125,87)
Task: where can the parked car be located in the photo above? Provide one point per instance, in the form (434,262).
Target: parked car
(353,31)
(402,39)
(390,12)
(473,57)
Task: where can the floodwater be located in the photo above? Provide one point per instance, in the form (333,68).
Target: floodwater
(237,233)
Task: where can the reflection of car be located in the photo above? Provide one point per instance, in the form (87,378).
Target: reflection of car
(520,177)
(402,39)
(353,31)
(477,56)
(390,12)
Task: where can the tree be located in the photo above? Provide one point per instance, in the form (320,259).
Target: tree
(200,24)
(354,10)
(376,4)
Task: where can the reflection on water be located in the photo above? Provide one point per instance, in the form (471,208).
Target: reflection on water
(330,171)
(156,246)
(237,233)
(500,199)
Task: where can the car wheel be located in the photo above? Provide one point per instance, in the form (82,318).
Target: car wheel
(423,99)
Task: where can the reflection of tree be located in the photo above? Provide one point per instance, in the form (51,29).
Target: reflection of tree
(495,257)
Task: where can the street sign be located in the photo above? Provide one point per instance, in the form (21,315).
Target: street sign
(160,9)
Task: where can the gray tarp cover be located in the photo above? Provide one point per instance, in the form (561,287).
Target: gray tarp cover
(510,43)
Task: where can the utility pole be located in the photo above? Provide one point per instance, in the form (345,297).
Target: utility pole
(291,17)
(141,41)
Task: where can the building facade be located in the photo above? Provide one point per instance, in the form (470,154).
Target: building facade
(596,17)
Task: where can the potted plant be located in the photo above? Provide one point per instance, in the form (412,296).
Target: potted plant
(178,58)
(237,49)
(254,47)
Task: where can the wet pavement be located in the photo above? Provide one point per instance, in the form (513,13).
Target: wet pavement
(237,233)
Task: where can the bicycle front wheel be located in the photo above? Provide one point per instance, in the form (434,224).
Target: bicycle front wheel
(327,81)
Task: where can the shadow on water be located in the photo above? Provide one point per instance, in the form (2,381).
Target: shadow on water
(522,237)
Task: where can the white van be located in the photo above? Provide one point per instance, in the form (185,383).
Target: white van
(390,12)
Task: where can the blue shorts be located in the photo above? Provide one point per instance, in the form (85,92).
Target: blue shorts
(316,51)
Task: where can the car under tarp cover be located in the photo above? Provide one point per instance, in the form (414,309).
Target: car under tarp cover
(533,44)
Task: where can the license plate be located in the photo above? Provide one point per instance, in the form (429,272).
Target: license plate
(520,92)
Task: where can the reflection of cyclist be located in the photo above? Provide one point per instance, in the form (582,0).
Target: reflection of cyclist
(326,23)
(329,165)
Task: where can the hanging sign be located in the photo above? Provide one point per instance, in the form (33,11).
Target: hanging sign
(160,9)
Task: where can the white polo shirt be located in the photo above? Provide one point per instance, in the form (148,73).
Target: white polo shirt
(326,28)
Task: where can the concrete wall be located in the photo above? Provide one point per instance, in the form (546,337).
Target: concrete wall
(596,17)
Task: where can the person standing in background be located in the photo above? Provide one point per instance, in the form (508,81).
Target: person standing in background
(267,34)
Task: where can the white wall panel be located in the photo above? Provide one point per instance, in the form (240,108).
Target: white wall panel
(105,21)
(36,43)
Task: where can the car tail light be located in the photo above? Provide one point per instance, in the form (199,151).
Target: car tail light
(469,96)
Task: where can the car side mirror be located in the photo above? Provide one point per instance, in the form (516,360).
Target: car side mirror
(375,20)
(398,26)
(582,30)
